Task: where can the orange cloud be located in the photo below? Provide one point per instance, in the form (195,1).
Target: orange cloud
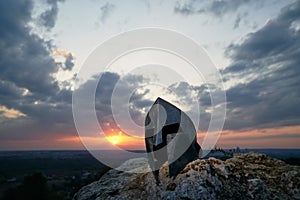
(10,113)
(62,53)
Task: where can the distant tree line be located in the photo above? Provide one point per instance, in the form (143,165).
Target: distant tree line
(36,187)
(33,187)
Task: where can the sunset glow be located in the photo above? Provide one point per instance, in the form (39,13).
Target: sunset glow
(124,141)
(283,137)
(115,139)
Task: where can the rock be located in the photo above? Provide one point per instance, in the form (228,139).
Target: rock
(245,176)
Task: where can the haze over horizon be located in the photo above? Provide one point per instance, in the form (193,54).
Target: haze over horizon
(254,44)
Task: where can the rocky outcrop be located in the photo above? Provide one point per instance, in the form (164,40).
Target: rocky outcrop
(245,176)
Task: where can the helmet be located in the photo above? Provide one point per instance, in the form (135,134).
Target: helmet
(169,136)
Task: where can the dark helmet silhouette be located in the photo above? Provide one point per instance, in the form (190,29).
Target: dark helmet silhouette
(170,136)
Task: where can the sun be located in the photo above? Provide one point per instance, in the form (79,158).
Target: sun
(115,139)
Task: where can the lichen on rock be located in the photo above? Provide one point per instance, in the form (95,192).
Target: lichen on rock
(245,176)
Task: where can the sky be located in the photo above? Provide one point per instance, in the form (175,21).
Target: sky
(255,46)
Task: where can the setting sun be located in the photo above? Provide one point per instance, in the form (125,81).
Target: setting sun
(114,139)
(118,138)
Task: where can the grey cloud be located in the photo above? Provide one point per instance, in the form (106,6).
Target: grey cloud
(215,7)
(26,78)
(48,18)
(126,84)
(138,101)
(218,9)
(52,117)
(286,135)
(9,89)
(24,56)
(268,62)
(142,103)
(238,19)
(13,15)
(105,11)
(274,38)
(69,63)
(184,9)
(221,7)
(194,95)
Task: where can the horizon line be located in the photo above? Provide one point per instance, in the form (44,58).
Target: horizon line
(268,148)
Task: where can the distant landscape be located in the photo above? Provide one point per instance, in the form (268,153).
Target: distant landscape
(65,172)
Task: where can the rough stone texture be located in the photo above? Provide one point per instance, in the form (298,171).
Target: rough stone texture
(245,176)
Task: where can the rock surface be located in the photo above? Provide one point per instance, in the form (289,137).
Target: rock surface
(245,176)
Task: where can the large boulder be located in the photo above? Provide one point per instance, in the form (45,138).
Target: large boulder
(245,176)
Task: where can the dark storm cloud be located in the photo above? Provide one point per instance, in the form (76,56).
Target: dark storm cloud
(13,14)
(215,7)
(268,63)
(24,56)
(9,89)
(48,18)
(26,77)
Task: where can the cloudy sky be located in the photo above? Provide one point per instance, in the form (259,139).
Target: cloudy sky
(255,46)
